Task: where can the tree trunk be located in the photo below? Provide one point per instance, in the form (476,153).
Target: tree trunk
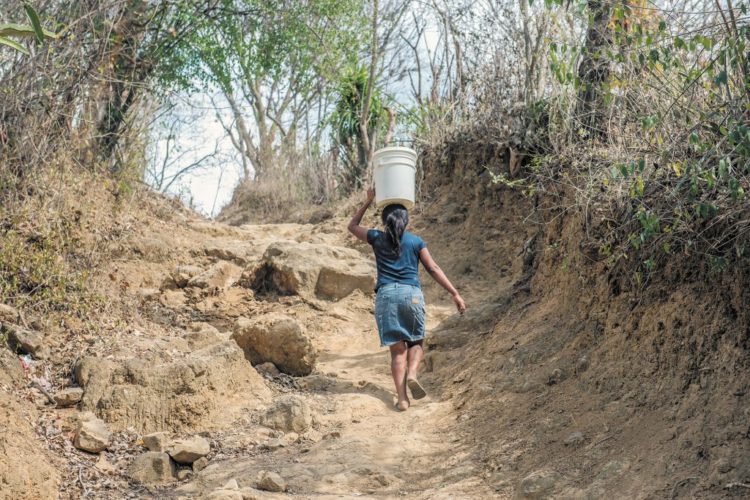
(594,69)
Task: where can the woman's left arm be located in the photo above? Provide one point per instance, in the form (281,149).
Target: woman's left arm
(354,227)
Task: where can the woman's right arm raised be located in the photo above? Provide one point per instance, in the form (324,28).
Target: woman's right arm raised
(438,275)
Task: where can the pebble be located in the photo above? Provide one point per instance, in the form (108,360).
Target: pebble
(539,484)
(68,397)
(92,436)
(271,481)
(574,439)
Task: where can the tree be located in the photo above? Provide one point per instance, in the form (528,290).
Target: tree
(594,68)
(273,63)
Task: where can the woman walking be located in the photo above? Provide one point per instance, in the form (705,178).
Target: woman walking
(399,303)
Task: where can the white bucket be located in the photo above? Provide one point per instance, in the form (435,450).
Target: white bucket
(395,172)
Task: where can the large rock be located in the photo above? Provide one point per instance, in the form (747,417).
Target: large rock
(25,340)
(92,436)
(68,397)
(279,339)
(220,276)
(153,468)
(314,270)
(289,413)
(155,391)
(187,451)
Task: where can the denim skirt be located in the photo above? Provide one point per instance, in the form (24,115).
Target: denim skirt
(399,313)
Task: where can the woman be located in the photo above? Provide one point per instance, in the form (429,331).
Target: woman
(399,304)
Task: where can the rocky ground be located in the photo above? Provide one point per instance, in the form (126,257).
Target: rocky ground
(243,362)
(170,404)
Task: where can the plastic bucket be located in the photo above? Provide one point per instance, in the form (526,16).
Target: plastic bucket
(395,170)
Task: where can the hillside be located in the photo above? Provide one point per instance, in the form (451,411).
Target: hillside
(554,384)
(581,175)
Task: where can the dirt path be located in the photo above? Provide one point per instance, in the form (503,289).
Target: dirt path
(187,377)
(360,446)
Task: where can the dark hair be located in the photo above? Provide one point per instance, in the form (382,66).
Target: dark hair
(395,219)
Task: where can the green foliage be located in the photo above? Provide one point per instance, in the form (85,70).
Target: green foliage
(345,118)
(681,99)
(33,273)
(24,31)
(249,41)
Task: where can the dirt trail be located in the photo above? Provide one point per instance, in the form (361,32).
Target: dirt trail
(367,448)
(358,444)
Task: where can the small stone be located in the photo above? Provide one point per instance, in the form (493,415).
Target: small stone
(539,484)
(152,467)
(183,474)
(271,481)
(555,377)
(182,275)
(289,413)
(68,397)
(231,485)
(269,369)
(105,465)
(582,364)
(574,439)
(187,451)
(219,276)
(92,436)
(25,341)
(273,444)
(291,437)
(723,466)
(200,464)
(156,441)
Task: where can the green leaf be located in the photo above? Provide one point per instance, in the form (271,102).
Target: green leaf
(721,78)
(34,18)
(14,45)
(22,30)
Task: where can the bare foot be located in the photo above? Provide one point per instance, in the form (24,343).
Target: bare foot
(403,405)
(417,391)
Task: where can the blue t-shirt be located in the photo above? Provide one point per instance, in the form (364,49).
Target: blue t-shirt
(396,269)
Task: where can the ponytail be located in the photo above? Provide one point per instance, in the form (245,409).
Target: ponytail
(395,219)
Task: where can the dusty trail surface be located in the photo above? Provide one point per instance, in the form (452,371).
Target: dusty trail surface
(194,306)
(253,350)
